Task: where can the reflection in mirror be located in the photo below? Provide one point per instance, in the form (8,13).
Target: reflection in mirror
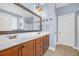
(8,22)
(18,21)
(36,23)
(25,23)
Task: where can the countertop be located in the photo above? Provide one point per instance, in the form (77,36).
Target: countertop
(6,43)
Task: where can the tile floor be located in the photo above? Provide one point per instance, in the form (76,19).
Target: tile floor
(62,50)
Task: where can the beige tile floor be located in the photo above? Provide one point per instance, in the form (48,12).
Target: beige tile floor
(62,50)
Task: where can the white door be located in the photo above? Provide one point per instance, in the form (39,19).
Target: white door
(66,29)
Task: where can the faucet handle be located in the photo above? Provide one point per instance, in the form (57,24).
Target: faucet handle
(12,36)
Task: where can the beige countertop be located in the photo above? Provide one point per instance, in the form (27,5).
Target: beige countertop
(7,43)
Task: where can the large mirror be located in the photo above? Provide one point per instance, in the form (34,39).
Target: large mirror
(14,18)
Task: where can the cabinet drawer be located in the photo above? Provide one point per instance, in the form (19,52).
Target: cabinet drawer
(38,41)
(29,43)
(40,45)
(40,53)
(39,48)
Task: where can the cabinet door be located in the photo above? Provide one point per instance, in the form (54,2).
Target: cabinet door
(46,43)
(14,51)
(28,48)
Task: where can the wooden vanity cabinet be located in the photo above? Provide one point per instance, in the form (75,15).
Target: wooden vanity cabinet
(36,47)
(14,51)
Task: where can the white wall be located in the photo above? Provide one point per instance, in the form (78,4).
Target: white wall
(29,6)
(66,27)
(50,25)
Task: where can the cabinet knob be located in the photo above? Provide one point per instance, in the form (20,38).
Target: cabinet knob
(22,46)
(19,47)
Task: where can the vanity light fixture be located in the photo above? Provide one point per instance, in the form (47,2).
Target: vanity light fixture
(38,8)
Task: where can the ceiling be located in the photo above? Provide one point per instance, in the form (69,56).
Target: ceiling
(58,5)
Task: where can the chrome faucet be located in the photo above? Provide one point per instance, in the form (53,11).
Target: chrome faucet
(39,32)
(12,36)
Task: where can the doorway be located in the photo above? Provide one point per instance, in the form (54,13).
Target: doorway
(66,29)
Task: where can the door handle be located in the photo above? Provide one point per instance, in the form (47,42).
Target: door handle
(59,32)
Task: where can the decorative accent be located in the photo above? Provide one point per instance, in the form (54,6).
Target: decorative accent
(43,20)
(46,19)
(51,19)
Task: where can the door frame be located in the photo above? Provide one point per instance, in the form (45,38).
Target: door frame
(76,14)
(56,25)
(75,30)
(57,30)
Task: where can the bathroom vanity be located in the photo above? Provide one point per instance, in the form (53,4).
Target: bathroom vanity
(14,37)
(34,46)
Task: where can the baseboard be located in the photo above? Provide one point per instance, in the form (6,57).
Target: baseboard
(50,48)
(63,44)
(57,43)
